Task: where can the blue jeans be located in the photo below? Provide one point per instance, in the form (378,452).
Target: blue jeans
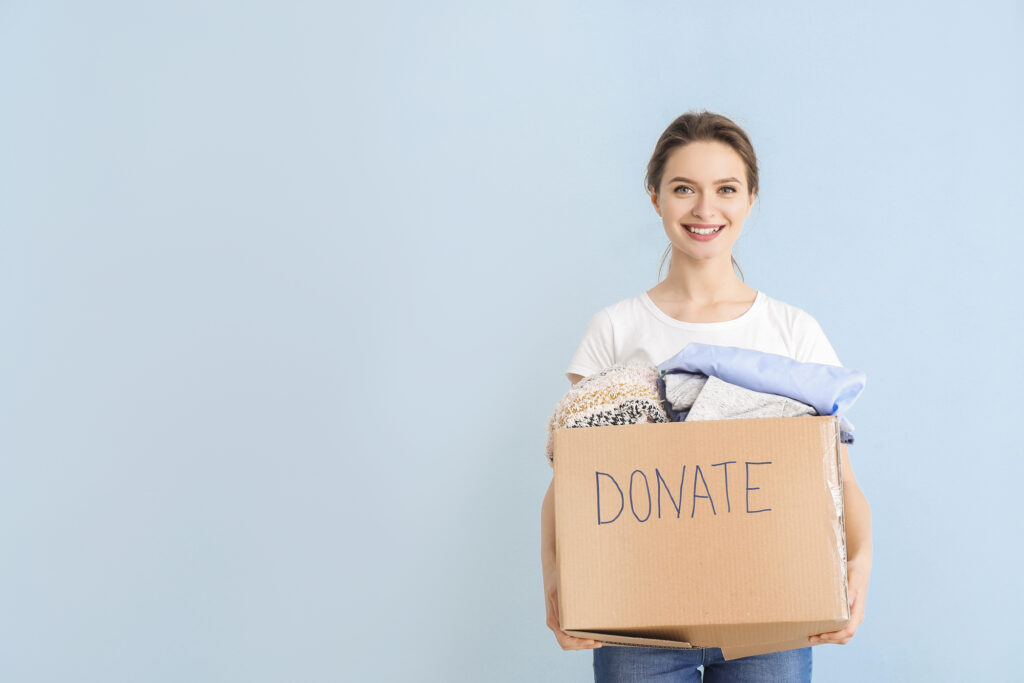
(661,665)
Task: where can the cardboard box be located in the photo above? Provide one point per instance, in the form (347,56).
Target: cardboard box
(725,533)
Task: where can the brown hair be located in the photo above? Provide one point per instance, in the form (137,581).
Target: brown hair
(696,126)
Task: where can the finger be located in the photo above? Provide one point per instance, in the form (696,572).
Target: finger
(573,643)
(846,633)
(837,635)
(818,641)
(568,642)
(829,634)
(832,636)
(585,644)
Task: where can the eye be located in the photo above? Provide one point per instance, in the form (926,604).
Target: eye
(732,190)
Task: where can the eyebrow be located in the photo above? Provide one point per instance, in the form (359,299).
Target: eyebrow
(717,182)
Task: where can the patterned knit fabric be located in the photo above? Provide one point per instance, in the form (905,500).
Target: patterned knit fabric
(618,395)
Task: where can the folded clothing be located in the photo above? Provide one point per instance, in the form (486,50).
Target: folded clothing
(720,400)
(829,389)
(620,394)
(679,390)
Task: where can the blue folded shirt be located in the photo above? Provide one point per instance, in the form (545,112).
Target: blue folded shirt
(829,389)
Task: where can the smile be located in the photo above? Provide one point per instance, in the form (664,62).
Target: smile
(703,231)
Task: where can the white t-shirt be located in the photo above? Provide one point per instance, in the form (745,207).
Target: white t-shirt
(635,330)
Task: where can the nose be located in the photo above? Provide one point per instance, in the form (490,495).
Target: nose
(704,206)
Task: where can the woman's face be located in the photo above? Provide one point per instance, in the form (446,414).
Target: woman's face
(704,186)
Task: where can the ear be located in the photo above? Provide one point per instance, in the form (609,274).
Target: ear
(654,200)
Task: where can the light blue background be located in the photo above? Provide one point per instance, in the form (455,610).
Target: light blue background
(287,292)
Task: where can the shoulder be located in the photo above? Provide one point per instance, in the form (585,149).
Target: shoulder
(617,315)
(803,335)
(629,306)
(789,317)
(807,338)
(598,348)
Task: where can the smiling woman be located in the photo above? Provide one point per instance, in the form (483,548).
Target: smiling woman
(702,217)
(704,143)
(703,180)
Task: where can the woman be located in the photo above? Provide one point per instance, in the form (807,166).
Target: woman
(703,180)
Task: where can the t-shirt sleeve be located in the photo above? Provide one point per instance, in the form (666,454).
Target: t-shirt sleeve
(812,344)
(596,350)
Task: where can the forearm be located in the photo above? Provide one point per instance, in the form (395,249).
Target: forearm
(547,532)
(858,525)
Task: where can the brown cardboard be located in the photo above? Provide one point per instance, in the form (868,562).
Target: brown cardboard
(747,555)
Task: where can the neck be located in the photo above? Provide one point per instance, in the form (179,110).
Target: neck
(703,281)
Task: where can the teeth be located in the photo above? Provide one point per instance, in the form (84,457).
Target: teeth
(703,232)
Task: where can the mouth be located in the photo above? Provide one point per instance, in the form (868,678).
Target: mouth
(702,229)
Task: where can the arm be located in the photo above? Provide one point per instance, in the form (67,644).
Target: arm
(547,539)
(550,570)
(858,554)
(858,518)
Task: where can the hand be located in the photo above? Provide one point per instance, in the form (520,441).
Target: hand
(857,576)
(567,641)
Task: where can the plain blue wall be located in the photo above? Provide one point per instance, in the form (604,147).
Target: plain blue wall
(287,292)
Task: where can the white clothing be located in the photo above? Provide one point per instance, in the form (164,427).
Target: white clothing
(635,330)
